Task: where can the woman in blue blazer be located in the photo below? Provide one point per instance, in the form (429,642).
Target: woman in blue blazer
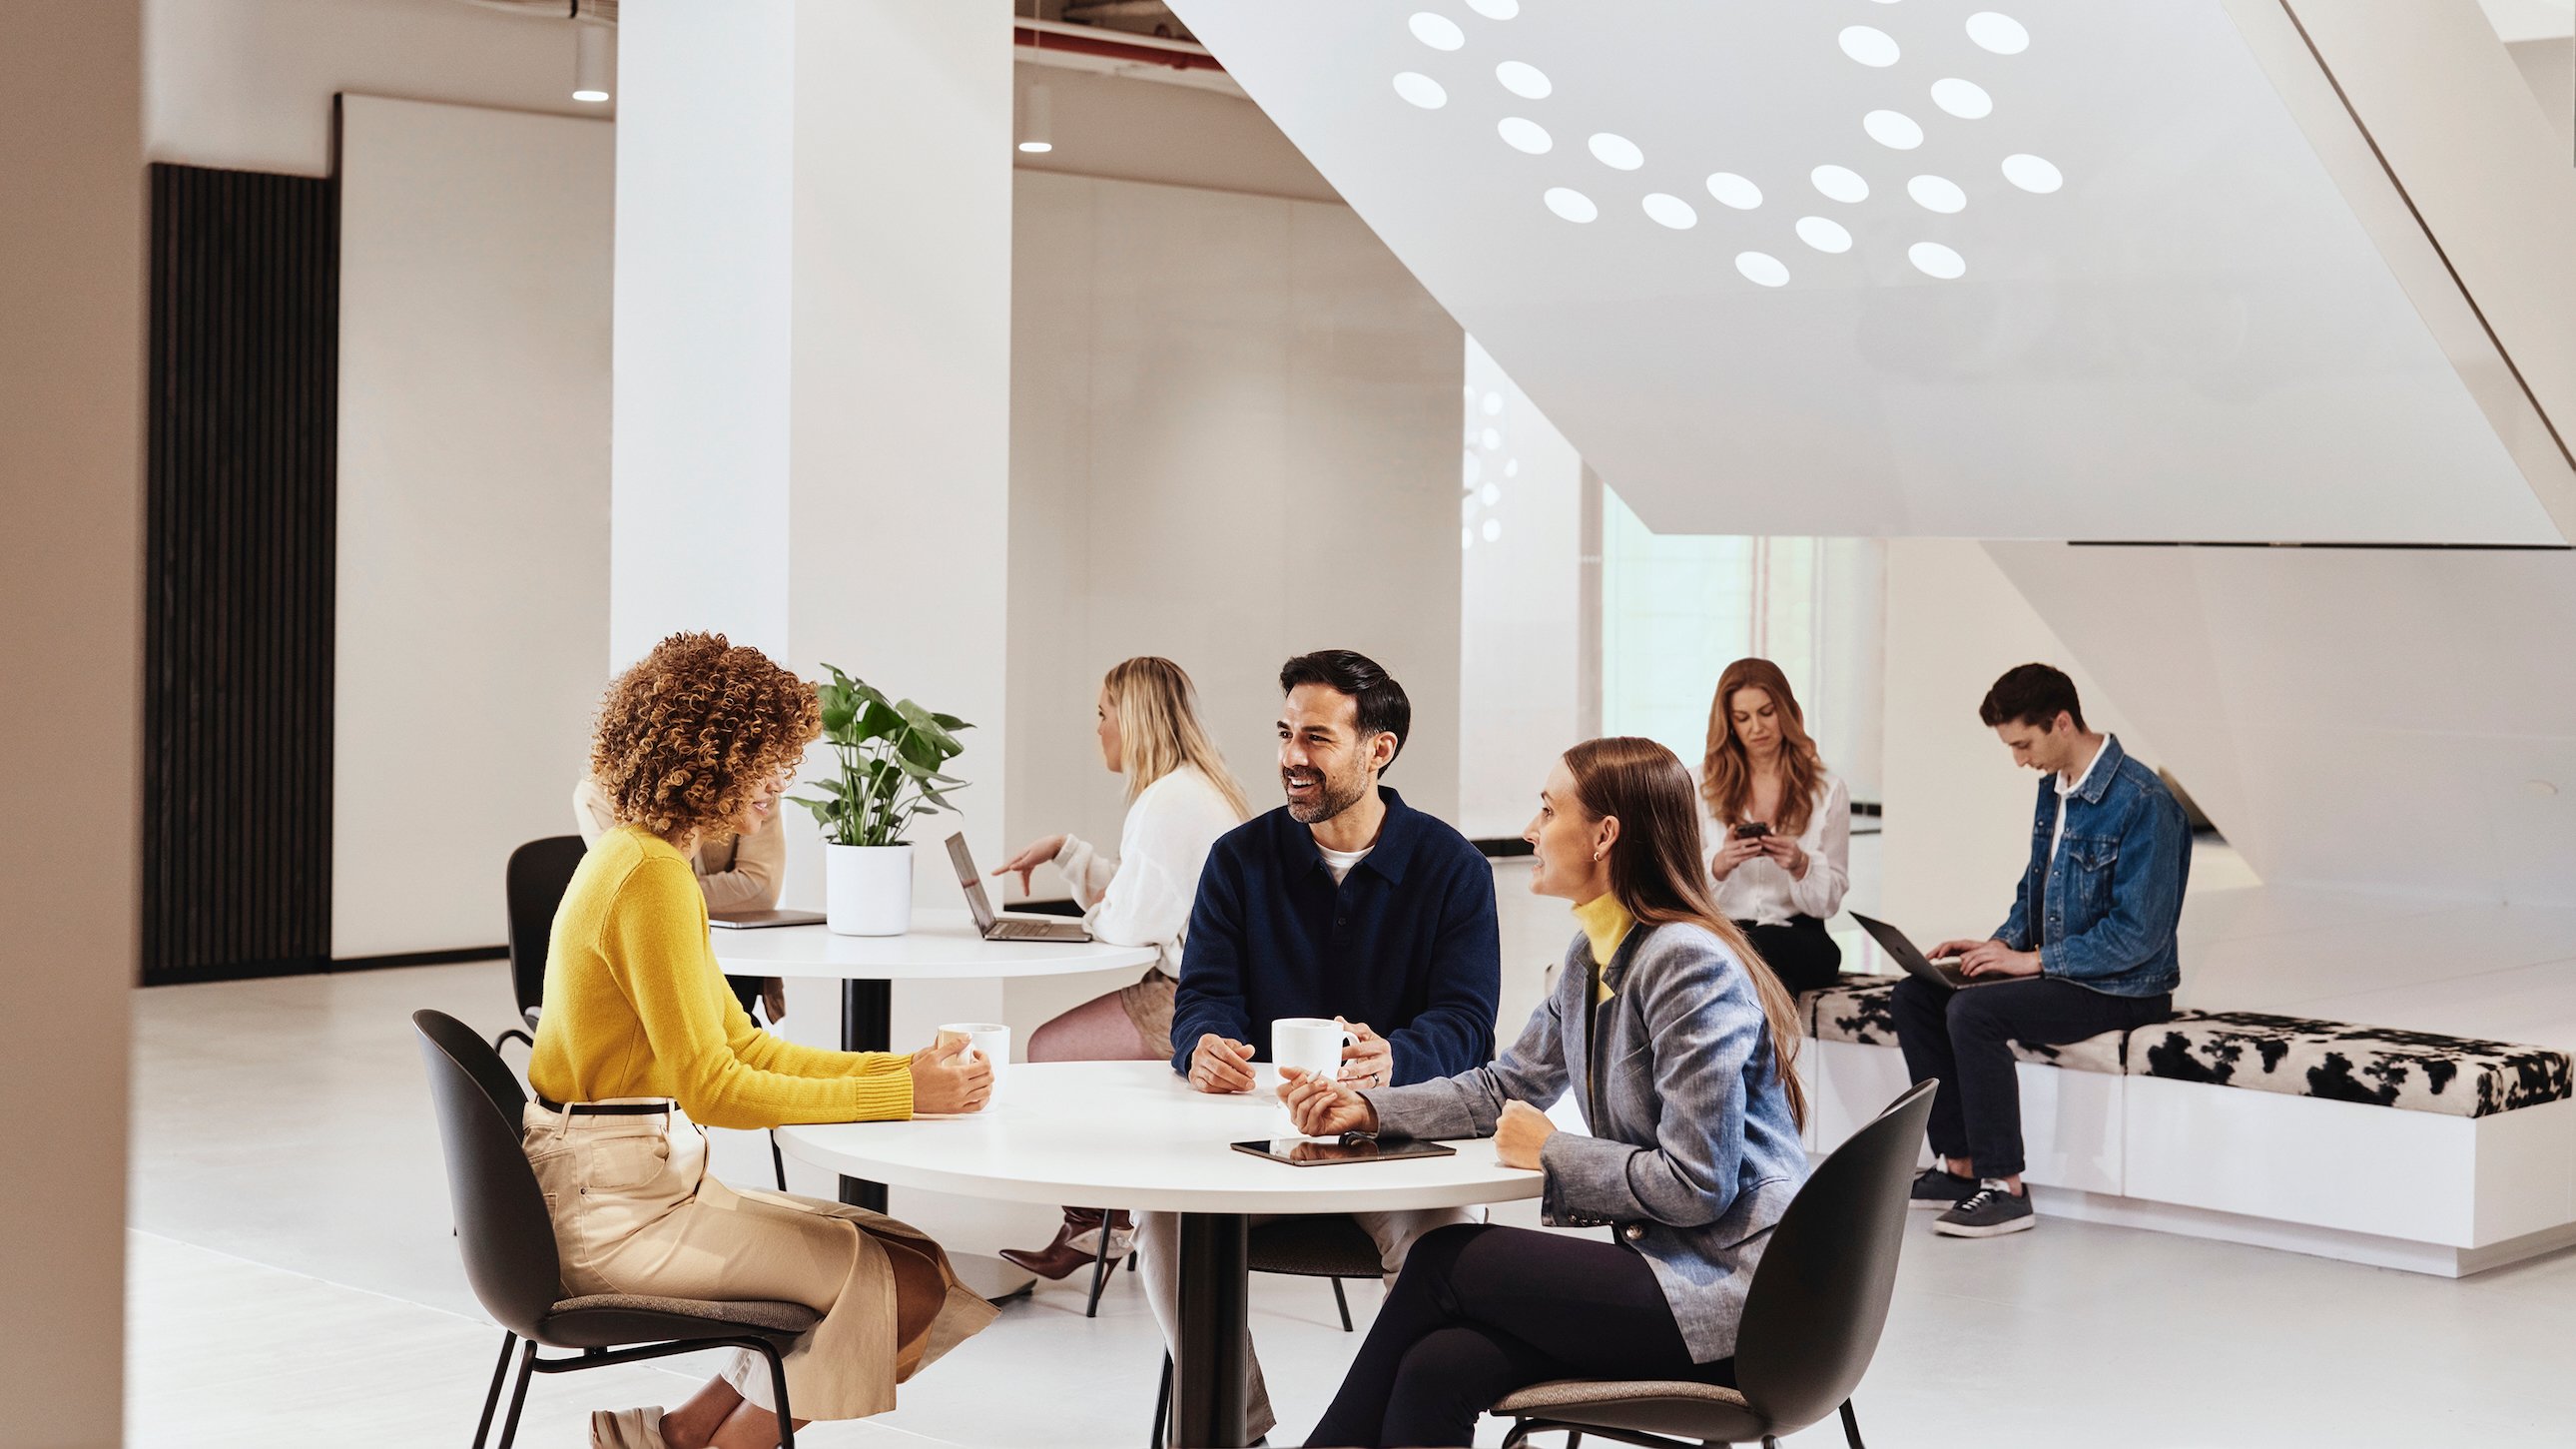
(1677,1042)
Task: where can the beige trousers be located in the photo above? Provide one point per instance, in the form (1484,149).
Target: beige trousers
(635,1211)
(1158,1256)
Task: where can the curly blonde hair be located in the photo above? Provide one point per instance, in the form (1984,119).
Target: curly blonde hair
(687,734)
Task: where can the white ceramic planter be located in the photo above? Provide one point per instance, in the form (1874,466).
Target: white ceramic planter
(867,889)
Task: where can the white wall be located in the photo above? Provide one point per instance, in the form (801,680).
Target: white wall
(1520,655)
(247,84)
(1234,438)
(473,548)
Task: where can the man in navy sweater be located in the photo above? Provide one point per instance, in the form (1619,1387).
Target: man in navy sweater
(1347,903)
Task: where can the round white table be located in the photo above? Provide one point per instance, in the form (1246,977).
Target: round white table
(941,946)
(1134,1134)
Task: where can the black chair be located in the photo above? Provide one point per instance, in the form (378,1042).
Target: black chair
(539,872)
(509,1248)
(1317,1245)
(1811,1318)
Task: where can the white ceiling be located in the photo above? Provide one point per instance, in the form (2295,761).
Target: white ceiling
(2192,339)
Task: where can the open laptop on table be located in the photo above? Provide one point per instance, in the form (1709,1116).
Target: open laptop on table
(1911,957)
(991,924)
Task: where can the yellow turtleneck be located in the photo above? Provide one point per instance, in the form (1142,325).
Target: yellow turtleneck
(1605,924)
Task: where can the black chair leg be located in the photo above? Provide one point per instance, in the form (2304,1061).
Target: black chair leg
(778,1390)
(1342,1303)
(492,1396)
(1099,1269)
(1851,1426)
(777,1160)
(1162,1405)
(519,1393)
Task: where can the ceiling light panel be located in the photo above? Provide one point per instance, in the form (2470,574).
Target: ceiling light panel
(2161,295)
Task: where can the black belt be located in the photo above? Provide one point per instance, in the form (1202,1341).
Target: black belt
(604,1109)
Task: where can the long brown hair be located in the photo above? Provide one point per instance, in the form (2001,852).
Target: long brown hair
(1726,776)
(1656,872)
(1159,729)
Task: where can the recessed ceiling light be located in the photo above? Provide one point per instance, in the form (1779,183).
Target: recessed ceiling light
(1495,9)
(1522,134)
(1437,31)
(1936,193)
(1935,260)
(1762,269)
(1840,183)
(1617,152)
(1511,467)
(2031,173)
(1823,235)
(1492,404)
(1998,32)
(1571,204)
(1893,129)
(1491,439)
(1733,190)
(1491,494)
(1493,530)
(1421,90)
(1869,46)
(1524,80)
(1964,99)
(1671,211)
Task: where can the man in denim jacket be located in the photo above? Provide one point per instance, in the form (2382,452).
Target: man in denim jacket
(2088,948)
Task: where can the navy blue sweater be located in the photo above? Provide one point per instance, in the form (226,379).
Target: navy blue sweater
(1407,944)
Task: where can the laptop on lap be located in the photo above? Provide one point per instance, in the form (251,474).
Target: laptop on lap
(993,925)
(1911,957)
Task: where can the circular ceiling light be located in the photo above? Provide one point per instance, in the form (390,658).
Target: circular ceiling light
(1492,404)
(1935,260)
(1493,530)
(1840,183)
(1437,31)
(1571,204)
(2032,174)
(1964,99)
(1937,193)
(1495,9)
(1893,129)
(1492,440)
(1762,269)
(1511,467)
(1733,190)
(1491,494)
(1671,211)
(1524,80)
(1998,32)
(1523,134)
(1617,152)
(1823,235)
(1421,90)
(1869,46)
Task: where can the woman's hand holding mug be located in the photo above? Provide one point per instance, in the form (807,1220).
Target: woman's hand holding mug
(948,1076)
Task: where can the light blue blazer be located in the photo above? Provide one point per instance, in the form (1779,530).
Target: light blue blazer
(1693,1154)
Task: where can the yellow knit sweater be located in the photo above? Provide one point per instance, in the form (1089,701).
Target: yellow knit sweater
(635,1007)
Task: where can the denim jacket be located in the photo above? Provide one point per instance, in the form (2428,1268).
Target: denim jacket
(2115,891)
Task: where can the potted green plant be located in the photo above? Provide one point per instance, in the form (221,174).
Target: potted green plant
(890,754)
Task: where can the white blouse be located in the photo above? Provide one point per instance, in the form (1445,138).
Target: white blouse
(1144,896)
(1762,892)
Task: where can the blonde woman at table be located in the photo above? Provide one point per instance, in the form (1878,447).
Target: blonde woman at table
(640,1042)
(1678,1044)
(1180,798)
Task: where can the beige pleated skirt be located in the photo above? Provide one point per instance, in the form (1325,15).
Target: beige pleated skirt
(635,1211)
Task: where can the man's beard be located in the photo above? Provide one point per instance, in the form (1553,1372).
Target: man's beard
(1332,797)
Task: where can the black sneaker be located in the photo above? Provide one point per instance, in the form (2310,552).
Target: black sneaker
(1938,1187)
(1990,1212)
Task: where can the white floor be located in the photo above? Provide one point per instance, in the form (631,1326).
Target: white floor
(293,1281)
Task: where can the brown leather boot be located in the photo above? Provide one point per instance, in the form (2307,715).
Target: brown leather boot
(1060,1258)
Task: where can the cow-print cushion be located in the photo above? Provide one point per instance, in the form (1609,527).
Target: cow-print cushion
(1860,1010)
(2381,1066)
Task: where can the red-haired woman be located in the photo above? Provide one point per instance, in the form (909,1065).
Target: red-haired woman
(1779,825)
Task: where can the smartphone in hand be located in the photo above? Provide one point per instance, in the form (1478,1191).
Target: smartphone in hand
(1752,830)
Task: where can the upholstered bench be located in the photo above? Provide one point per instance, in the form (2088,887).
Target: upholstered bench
(2260,1128)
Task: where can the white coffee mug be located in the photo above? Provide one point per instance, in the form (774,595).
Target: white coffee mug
(990,1040)
(1310,1044)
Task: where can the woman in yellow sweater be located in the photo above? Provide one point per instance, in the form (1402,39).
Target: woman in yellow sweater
(640,1042)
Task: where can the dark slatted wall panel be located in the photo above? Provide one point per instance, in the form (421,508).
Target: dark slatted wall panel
(244,388)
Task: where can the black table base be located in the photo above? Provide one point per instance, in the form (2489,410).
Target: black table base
(1208,1369)
(867,1025)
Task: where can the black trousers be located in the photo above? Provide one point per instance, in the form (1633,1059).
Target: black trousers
(1965,1038)
(1799,953)
(1480,1311)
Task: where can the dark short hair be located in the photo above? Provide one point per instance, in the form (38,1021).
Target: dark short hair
(2031,694)
(1383,709)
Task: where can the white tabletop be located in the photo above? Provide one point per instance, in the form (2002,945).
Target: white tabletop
(1134,1134)
(941,946)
